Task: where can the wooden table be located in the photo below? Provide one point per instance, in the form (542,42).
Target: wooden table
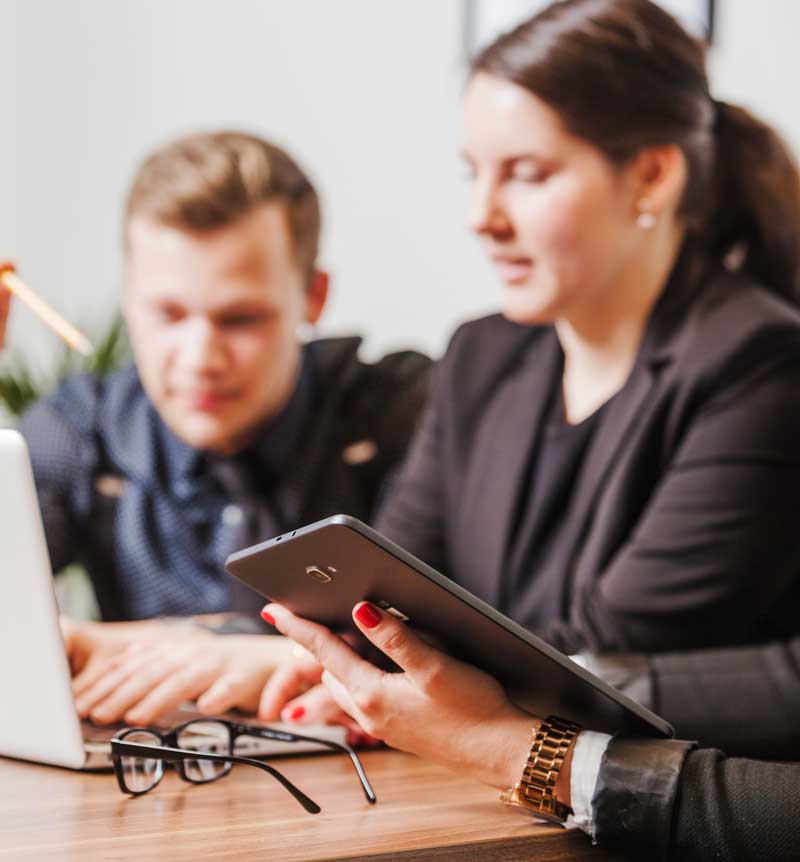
(423,812)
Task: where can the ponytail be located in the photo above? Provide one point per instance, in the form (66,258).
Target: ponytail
(754,220)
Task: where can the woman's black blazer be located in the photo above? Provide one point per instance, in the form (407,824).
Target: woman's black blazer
(689,497)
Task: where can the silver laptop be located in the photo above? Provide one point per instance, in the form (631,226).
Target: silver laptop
(38,719)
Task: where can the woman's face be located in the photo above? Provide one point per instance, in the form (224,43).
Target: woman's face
(556,218)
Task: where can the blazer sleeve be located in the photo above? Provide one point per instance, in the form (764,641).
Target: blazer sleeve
(694,690)
(661,800)
(716,548)
(744,700)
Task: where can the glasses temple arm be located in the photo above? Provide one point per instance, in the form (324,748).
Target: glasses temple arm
(285,736)
(172,755)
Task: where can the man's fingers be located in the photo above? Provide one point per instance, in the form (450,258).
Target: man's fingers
(103,678)
(171,692)
(287,682)
(94,669)
(5,302)
(124,696)
(394,639)
(327,648)
(231,690)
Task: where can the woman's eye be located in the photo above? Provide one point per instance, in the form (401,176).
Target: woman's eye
(529,173)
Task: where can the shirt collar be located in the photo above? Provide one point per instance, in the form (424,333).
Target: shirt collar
(273,445)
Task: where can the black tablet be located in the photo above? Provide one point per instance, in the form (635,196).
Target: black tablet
(321,571)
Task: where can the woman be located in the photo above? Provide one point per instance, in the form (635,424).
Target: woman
(614,463)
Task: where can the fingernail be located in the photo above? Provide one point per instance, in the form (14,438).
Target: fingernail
(368,615)
(267,617)
(297,713)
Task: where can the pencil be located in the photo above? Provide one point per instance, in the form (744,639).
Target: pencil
(75,339)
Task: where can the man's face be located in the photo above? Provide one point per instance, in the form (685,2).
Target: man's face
(213,320)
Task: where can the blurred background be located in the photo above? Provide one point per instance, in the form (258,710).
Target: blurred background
(364,92)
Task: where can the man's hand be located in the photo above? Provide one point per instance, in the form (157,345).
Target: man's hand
(138,672)
(438,708)
(5,303)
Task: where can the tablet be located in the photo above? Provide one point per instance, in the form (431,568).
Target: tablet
(321,571)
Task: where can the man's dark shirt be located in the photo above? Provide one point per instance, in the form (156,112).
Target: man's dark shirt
(153,520)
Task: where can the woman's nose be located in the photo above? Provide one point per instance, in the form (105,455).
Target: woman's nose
(486,214)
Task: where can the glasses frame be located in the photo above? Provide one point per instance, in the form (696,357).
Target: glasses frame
(169,751)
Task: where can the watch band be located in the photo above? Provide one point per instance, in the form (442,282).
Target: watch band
(535,791)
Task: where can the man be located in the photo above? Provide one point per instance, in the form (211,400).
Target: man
(227,430)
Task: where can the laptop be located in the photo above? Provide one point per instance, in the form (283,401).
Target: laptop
(38,718)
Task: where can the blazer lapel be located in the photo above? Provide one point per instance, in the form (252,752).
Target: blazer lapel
(660,344)
(507,433)
(616,425)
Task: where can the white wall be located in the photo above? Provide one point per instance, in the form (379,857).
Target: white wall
(364,92)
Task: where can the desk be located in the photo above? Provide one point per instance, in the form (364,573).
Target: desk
(423,812)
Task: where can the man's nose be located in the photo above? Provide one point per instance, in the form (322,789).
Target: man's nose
(202,347)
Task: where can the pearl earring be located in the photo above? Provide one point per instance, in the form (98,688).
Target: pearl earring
(645,220)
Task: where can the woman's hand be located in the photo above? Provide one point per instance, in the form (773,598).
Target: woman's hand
(314,705)
(438,708)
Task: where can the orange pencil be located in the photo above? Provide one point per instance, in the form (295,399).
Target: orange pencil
(73,337)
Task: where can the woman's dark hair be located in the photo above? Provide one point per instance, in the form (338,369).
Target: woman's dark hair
(624,75)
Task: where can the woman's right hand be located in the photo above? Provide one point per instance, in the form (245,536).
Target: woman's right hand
(294,694)
(5,302)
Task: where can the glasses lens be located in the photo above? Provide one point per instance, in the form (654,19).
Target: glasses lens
(210,737)
(141,773)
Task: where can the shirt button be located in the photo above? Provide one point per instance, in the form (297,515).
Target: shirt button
(232,516)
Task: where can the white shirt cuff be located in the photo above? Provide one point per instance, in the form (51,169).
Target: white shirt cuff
(589,750)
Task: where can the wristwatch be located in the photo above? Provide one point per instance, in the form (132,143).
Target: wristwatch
(534,793)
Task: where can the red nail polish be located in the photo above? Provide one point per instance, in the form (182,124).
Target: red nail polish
(297,713)
(268,618)
(368,615)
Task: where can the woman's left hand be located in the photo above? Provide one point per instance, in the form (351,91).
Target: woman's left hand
(438,708)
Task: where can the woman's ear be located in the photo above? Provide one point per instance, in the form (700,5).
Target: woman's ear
(659,176)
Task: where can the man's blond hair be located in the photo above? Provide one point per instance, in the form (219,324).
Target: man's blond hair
(210,180)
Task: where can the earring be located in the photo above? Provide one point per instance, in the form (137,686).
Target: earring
(645,220)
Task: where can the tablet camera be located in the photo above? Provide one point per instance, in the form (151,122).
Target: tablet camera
(323,574)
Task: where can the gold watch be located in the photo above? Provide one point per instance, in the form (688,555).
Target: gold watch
(534,793)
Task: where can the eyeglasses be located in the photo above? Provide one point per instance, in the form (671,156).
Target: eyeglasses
(204,750)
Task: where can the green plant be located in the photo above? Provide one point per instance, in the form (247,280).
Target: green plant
(21,384)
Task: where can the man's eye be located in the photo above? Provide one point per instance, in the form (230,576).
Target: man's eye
(166,314)
(251,319)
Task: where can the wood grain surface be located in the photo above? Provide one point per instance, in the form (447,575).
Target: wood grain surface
(423,812)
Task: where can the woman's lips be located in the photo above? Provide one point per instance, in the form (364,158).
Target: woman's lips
(513,270)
